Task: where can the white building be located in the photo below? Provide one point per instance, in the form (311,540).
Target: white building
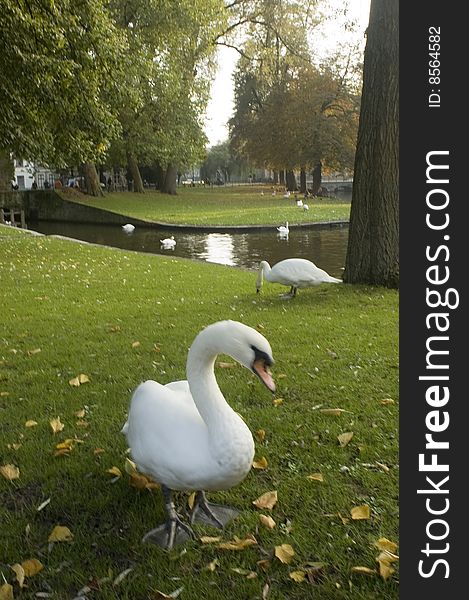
(27,172)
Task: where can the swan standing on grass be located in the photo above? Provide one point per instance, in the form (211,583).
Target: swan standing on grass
(283,229)
(187,437)
(168,243)
(128,228)
(295,272)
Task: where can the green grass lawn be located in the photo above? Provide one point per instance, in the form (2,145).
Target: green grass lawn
(231,205)
(121,318)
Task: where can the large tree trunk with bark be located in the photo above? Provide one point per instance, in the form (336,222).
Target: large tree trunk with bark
(169,185)
(134,171)
(281,178)
(7,171)
(373,246)
(317,178)
(291,181)
(303,180)
(92,185)
(275,174)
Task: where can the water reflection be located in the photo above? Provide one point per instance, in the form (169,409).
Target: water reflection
(325,247)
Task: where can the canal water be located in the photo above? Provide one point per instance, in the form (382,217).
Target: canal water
(326,247)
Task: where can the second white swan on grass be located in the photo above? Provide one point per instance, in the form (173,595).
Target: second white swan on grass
(294,272)
(187,437)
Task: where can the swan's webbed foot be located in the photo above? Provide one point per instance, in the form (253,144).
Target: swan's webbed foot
(174,531)
(291,294)
(208,513)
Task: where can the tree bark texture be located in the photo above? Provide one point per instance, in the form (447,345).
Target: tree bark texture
(169,185)
(373,245)
(92,185)
(317,178)
(275,174)
(291,181)
(303,180)
(134,171)
(281,177)
(7,171)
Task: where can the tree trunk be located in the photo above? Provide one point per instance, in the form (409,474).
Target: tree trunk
(281,178)
(169,185)
(317,178)
(92,185)
(275,174)
(160,175)
(7,171)
(134,171)
(303,180)
(291,181)
(373,245)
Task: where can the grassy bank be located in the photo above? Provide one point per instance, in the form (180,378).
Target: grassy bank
(237,205)
(120,318)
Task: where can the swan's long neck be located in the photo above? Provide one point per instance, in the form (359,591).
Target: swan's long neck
(203,385)
(264,270)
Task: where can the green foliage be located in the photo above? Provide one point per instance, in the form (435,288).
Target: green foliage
(59,65)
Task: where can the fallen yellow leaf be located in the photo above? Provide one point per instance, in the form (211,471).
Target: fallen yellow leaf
(30,423)
(10,472)
(385,544)
(206,539)
(315,477)
(335,412)
(261,463)
(385,569)
(98,451)
(386,556)
(298,576)
(80,413)
(56,425)
(344,438)
(267,500)
(14,446)
(212,565)
(267,521)
(114,471)
(277,401)
(79,380)
(60,533)
(35,351)
(226,365)
(260,435)
(191,500)
(284,553)
(360,512)
(19,571)
(238,544)
(75,382)
(32,567)
(135,344)
(82,423)
(363,570)
(6,592)
(387,401)
(130,467)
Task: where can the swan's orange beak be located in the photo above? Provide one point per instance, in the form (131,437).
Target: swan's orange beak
(260,369)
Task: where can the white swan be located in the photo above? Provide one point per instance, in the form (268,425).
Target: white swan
(128,228)
(305,207)
(186,436)
(168,242)
(283,229)
(295,272)
(299,203)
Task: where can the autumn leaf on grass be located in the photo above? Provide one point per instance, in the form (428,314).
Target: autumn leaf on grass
(316,477)
(261,463)
(56,425)
(60,533)
(335,412)
(277,401)
(298,576)
(212,565)
(284,553)
(80,413)
(19,572)
(260,435)
(32,566)
(157,595)
(344,438)
(267,500)
(387,401)
(135,344)
(35,351)
(360,512)
(207,539)
(226,365)
(238,544)
(191,500)
(79,380)
(267,521)
(385,544)
(363,571)
(30,423)
(10,472)
(6,592)
(114,471)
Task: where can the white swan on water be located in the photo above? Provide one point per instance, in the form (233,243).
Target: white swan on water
(295,272)
(283,229)
(128,227)
(168,243)
(187,437)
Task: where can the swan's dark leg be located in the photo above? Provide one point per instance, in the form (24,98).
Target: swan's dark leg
(174,531)
(211,514)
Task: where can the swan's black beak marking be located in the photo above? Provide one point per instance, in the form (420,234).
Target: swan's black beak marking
(260,367)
